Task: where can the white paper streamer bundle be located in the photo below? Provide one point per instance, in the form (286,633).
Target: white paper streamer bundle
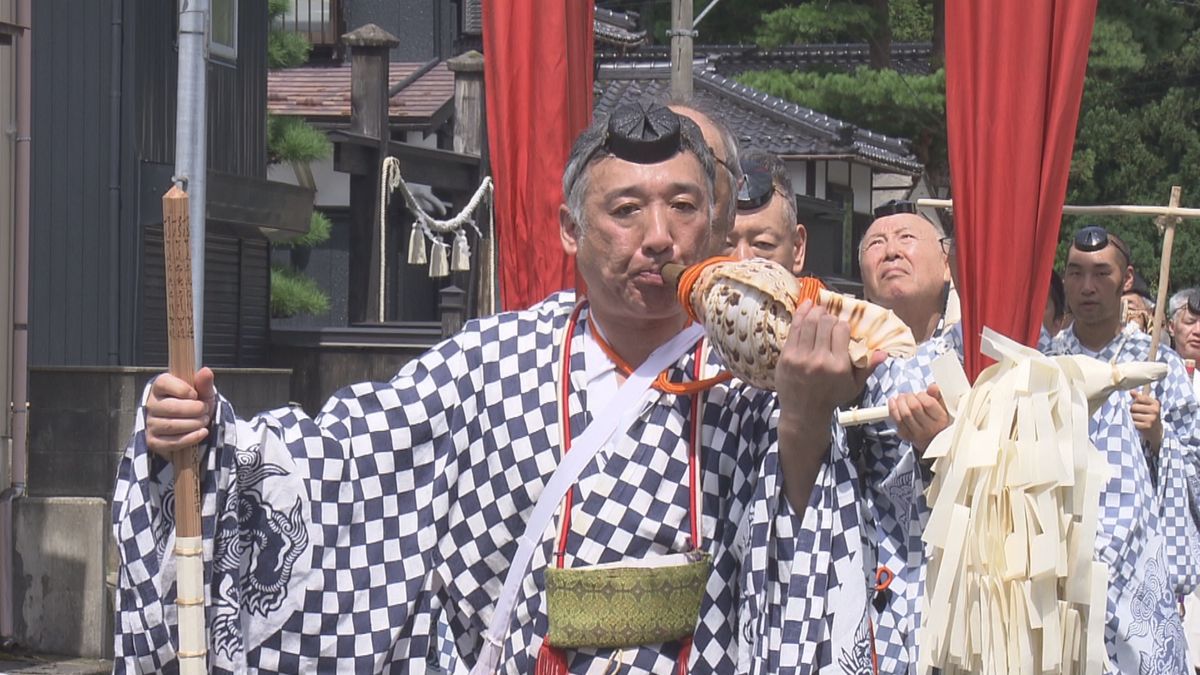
(1012,585)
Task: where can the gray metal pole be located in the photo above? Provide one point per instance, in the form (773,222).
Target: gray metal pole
(191,142)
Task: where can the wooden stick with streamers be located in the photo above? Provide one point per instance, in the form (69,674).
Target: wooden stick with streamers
(193,642)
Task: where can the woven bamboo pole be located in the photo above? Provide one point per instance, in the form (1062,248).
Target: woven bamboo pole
(189,559)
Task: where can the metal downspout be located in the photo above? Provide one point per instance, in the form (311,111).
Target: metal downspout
(20,342)
(191,143)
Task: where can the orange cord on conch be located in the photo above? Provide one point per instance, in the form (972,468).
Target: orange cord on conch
(810,289)
(688,279)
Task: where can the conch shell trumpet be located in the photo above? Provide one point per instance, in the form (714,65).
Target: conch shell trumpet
(746,308)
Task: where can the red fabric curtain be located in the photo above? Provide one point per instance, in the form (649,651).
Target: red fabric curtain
(1014,78)
(538,78)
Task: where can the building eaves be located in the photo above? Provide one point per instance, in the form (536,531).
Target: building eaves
(890,152)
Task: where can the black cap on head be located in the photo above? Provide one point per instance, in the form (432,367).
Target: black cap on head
(644,133)
(893,206)
(757,185)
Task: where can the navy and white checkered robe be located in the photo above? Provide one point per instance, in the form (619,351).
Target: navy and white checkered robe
(341,543)
(1146,530)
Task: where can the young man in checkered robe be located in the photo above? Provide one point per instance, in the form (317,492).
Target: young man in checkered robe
(1147,526)
(332,541)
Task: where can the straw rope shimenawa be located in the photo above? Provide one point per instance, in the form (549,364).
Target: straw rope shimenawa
(189,560)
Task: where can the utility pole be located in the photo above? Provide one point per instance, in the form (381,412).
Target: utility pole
(191,142)
(681,49)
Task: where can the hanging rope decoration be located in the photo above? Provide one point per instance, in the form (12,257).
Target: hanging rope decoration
(429,228)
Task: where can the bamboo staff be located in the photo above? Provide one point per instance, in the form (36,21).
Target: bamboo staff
(189,558)
(1166,225)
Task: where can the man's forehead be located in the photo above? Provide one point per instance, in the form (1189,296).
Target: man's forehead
(759,222)
(1108,256)
(899,222)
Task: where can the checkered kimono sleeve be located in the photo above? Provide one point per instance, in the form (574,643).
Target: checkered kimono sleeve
(894,483)
(322,535)
(1144,523)
(804,589)
(1175,470)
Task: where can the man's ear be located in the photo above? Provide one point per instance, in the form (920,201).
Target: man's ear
(1128,279)
(568,231)
(801,248)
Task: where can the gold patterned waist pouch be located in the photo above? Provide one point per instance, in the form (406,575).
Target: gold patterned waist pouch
(626,604)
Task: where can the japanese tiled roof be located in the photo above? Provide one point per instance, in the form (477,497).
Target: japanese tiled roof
(324,92)
(759,120)
(908,58)
(617,29)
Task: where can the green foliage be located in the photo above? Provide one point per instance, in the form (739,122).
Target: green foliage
(277,8)
(286,49)
(816,22)
(1139,129)
(911,20)
(319,227)
(293,293)
(291,139)
(1113,50)
(908,106)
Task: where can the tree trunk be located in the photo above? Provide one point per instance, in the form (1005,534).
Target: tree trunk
(881,36)
(938,59)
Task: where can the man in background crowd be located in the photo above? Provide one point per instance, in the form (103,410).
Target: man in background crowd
(766,225)
(904,259)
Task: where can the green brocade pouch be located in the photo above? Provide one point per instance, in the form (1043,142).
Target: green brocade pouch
(626,604)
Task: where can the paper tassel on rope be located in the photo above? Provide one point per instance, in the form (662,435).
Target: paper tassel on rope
(416,246)
(1012,584)
(460,257)
(438,266)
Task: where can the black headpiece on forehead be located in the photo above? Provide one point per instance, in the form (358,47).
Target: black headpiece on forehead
(757,185)
(893,206)
(644,133)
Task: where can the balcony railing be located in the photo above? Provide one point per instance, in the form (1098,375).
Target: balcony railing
(319,21)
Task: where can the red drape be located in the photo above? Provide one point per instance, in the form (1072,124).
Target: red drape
(538,78)
(1014,78)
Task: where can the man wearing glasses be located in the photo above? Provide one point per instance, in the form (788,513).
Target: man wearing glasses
(905,267)
(766,225)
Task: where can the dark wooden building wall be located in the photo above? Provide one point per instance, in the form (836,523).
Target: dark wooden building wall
(237,93)
(75,256)
(89,285)
(237,281)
